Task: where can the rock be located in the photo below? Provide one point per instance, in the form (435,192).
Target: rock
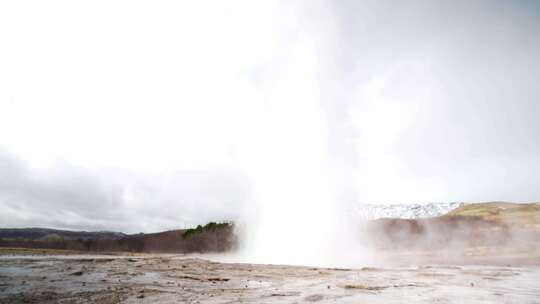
(314,298)
(218,279)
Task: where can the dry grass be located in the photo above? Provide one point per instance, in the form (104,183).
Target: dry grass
(494,209)
(510,213)
(364,287)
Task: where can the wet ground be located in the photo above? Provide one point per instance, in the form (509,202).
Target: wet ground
(78,278)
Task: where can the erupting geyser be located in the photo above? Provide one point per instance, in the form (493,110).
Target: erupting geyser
(295,221)
(295,213)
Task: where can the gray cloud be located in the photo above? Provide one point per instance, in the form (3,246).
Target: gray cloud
(448,90)
(69,196)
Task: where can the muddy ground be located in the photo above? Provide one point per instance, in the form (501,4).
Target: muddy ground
(53,277)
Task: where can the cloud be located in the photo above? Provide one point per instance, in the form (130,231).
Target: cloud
(72,197)
(441,98)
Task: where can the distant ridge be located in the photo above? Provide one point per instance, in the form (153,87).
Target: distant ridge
(213,237)
(35,233)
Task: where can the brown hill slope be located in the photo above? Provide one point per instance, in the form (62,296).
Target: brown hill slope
(494,224)
(212,237)
(526,216)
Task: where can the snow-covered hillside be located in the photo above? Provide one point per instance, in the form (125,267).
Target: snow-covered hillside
(407,211)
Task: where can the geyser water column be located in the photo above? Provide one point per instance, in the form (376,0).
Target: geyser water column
(296,214)
(294,220)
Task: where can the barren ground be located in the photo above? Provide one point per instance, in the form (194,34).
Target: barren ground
(30,276)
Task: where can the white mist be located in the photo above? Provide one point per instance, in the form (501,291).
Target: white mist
(294,220)
(294,216)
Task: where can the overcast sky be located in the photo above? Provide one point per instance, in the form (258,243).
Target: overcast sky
(150,115)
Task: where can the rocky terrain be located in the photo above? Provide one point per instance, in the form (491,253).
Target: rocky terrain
(141,278)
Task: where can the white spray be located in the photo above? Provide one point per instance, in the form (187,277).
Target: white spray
(295,219)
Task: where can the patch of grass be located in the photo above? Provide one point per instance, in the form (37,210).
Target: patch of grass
(509,213)
(364,287)
(369,269)
(193,231)
(212,226)
(480,209)
(494,209)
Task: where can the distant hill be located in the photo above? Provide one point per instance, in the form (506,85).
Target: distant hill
(489,225)
(41,233)
(517,215)
(213,237)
